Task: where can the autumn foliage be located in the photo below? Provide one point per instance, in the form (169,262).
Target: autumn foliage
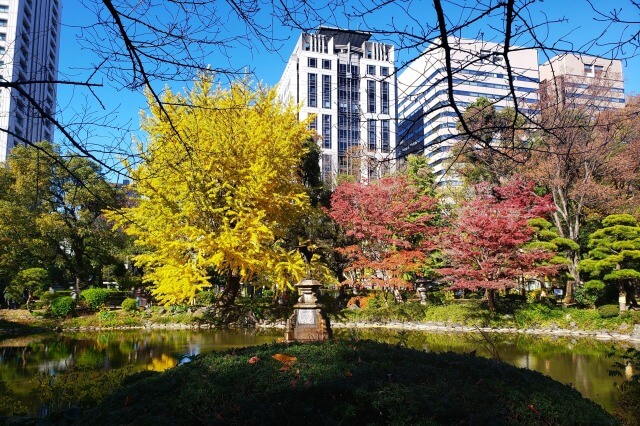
(218,189)
(485,247)
(388,222)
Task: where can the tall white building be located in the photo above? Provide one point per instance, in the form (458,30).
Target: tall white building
(426,120)
(582,80)
(347,82)
(29,45)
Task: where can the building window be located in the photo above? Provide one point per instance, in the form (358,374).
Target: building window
(326,64)
(371,134)
(384,71)
(312,92)
(371,96)
(598,69)
(371,69)
(385,145)
(4,8)
(343,133)
(588,69)
(3,22)
(313,124)
(326,168)
(326,91)
(485,56)
(355,131)
(384,93)
(312,62)
(326,131)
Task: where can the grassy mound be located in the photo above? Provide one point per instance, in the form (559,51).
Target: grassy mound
(344,382)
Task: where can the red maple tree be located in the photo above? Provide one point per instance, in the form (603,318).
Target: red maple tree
(485,247)
(388,222)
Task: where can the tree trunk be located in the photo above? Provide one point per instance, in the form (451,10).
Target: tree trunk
(231,290)
(622,297)
(575,273)
(78,283)
(490,295)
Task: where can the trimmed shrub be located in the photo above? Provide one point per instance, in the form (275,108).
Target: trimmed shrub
(129,305)
(95,297)
(62,306)
(590,293)
(608,311)
(205,298)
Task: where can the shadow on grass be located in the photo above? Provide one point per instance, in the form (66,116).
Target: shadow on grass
(12,322)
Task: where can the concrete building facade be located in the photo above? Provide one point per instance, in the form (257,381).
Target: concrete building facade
(571,80)
(426,120)
(29,46)
(346,82)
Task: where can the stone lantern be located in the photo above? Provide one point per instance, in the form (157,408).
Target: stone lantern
(309,323)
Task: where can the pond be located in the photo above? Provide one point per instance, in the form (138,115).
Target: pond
(579,362)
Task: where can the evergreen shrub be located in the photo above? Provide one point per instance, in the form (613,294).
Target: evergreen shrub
(608,311)
(62,306)
(129,305)
(95,297)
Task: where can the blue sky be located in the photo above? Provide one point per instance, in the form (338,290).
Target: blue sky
(577,27)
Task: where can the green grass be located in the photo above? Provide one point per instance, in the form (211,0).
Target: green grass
(345,382)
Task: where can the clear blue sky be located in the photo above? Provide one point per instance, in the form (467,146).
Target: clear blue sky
(577,28)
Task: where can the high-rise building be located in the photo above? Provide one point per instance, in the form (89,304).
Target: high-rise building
(582,81)
(347,83)
(29,45)
(426,119)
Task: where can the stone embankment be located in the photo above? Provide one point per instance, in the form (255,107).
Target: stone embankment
(604,335)
(632,336)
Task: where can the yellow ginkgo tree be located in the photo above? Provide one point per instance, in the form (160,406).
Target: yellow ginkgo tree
(217,189)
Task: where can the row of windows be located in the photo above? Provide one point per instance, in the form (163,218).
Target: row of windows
(442,92)
(344,130)
(371,70)
(440,71)
(313,63)
(493,85)
(327,65)
(312,88)
(595,87)
(312,96)
(595,98)
(384,96)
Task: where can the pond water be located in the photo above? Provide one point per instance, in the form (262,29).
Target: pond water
(579,362)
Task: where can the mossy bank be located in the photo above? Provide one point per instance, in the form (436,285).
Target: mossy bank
(344,382)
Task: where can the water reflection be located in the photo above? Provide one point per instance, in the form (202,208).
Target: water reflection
(22,358)
(580,363)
